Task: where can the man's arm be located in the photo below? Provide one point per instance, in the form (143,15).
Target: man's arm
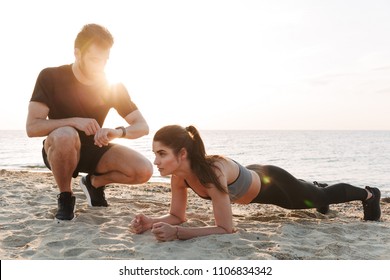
(138,128)
(138,125)
(38,125)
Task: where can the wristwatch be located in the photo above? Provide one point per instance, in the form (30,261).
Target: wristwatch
(123,131)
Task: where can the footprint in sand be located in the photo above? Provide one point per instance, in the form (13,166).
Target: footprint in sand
(17,240)
(59,244)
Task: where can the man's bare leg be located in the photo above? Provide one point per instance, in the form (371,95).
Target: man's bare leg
(122,165)
(62,147)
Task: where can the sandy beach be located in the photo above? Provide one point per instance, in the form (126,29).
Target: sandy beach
(29,232)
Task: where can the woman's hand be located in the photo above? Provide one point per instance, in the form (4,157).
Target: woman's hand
(164,232)
(140,224)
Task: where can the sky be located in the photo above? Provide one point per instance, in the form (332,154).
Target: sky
(280,64)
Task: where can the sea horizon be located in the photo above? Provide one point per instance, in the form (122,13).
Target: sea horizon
(359,157)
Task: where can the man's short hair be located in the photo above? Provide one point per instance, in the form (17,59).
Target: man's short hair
(93,34)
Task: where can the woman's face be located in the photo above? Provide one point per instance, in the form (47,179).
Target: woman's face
(165,160)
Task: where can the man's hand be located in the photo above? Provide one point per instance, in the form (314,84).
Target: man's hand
(89,126)
(104,136)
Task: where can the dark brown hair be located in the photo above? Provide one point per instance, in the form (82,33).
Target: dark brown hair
(177,137)
(93,34)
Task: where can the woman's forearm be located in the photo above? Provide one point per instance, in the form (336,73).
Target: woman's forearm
(184,233)
(169,219)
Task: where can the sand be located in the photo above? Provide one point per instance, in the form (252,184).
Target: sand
(28,230)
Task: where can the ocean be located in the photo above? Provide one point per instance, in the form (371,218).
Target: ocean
(357,157)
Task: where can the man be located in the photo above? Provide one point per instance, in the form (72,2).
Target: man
(68,105)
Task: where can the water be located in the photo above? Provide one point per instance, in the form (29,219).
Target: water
(357,157)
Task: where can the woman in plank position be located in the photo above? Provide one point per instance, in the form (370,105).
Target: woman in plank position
(180,152)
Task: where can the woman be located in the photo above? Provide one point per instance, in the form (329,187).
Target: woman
(180,152)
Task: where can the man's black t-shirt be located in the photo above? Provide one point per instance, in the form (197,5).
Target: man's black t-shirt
(66,97)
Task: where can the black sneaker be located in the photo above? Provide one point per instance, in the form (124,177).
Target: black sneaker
(323,209)
(66,206)
(95,196)
(371,207)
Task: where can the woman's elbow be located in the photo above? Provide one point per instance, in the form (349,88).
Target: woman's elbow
(227,230)
(179,219)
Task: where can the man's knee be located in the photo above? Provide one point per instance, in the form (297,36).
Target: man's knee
(64,138)
(144,172)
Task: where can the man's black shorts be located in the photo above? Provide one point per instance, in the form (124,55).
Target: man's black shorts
(90,154)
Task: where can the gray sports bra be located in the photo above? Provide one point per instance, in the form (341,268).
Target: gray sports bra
(239,187)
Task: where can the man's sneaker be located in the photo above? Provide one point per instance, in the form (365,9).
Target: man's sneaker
(371,207)
(95,196)
(323,209)
(66,206)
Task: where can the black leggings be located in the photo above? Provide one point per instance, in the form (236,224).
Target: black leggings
(280,188)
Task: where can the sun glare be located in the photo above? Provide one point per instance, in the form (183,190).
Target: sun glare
(113,73)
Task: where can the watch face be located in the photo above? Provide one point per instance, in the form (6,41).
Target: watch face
(123,130)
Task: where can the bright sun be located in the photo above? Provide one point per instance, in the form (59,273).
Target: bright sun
(113,73)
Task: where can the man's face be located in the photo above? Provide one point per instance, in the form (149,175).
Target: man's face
(93,62)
